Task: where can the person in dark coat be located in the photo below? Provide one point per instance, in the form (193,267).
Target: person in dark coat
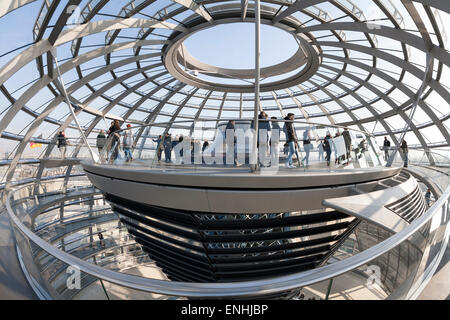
(167,147)
(62,143)
(205,145)
(386,145)
(348,142)
(291,139)
(115,142)
(327,147)
(404,149)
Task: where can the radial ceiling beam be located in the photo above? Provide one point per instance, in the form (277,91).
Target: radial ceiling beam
(317,102)
(244,7)
(197,8)
(38,49)
(400,86)
(388,100)
(156,111)
(45,80)
(362,102)
(297,6)
(7,6)
(51,107)
(298,103)
(401,36)
(199,111)
(438,4)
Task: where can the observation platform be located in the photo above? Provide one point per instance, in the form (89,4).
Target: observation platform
(211,223)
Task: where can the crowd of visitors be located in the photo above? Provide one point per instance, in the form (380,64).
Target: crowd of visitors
(115,139)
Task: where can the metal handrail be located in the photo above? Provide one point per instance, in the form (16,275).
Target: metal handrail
(244,288)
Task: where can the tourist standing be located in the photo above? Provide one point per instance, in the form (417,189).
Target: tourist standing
(327,147)
(307,146)
(263,132)
(167,148)
(115,139)
(101,142)
(230,129)
(348,143)
(62,143)
(128,142)
(386,145)
(274,143)
(159,147)
(321,150)
(428,197)
(404,149)
(291,138)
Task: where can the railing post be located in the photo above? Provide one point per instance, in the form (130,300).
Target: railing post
(330,284)
(254,166)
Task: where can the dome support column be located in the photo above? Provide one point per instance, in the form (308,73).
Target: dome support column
(254,166)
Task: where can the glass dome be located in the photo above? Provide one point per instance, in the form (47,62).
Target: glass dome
(377,66)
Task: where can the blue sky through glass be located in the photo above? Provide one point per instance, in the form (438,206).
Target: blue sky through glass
(233,45)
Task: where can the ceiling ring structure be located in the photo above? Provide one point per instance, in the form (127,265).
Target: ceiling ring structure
(176,56)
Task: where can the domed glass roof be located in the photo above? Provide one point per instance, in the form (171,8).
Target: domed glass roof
(381,66)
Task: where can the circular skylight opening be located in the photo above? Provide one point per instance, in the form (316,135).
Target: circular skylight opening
(233,45)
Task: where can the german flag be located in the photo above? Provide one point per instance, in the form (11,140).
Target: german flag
(34,145)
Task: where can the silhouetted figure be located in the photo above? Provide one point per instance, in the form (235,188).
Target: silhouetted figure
(62,143)
(386,145)
(327,148)
(428,197)
(115,143)
(404,149)
(348,143)
(168,148)
(159,147)
(291,138)
(102,241)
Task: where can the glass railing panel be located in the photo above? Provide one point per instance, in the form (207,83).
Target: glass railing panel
(116,292)
(201,144)
(396,273)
